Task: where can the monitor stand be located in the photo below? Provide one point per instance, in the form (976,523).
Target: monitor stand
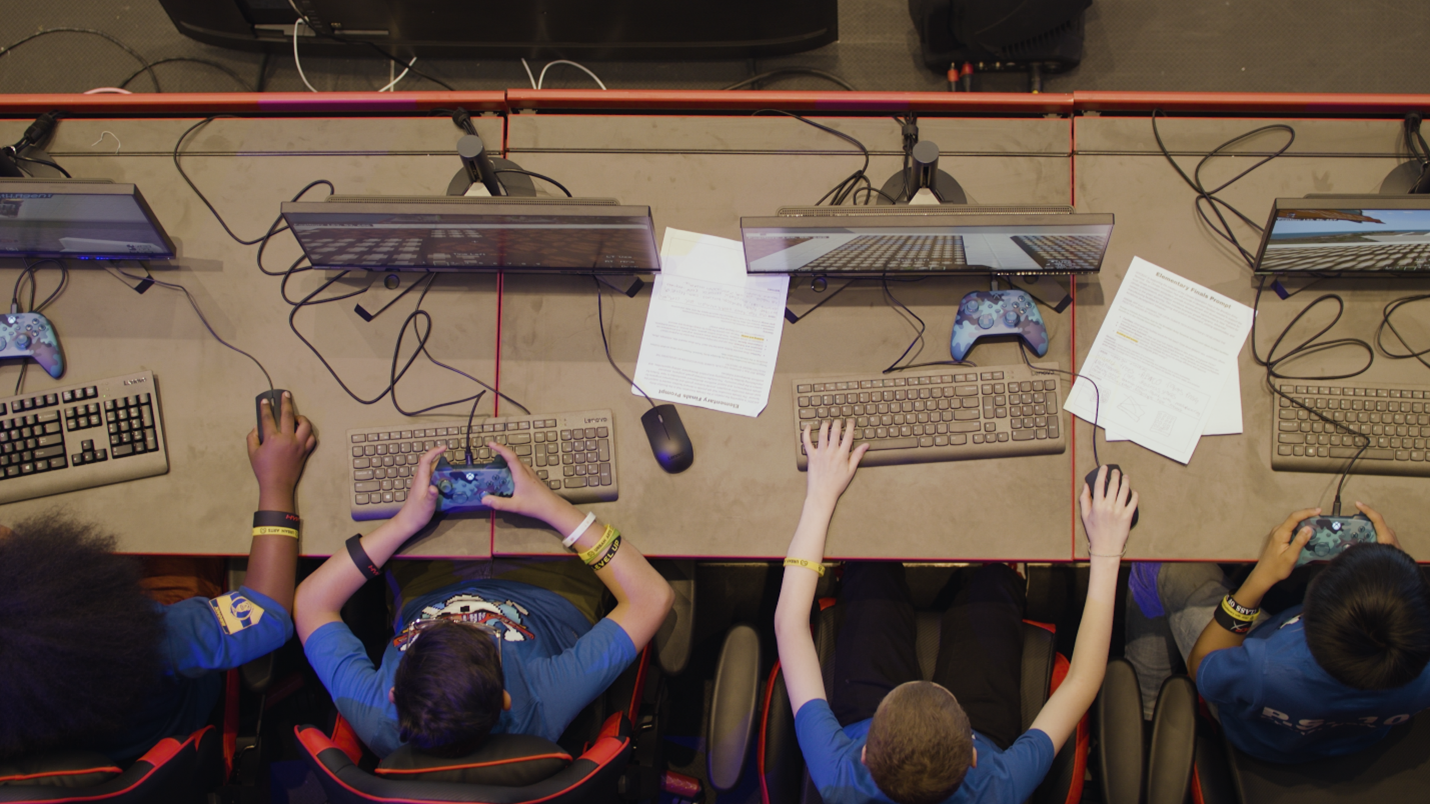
(923,183)
(481,174)
(1404,178)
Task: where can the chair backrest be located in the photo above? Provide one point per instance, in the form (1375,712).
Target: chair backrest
(591,777)
(180,771)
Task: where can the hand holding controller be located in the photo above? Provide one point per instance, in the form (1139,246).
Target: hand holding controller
(31,335)
(997,312)
(461,488)
(1330,535)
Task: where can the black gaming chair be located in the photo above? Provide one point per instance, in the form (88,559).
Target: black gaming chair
(783,779)
(1138,762)
(179,771)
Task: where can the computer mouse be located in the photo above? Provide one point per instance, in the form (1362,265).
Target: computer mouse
(1092,478)
(672,447)
(275,400)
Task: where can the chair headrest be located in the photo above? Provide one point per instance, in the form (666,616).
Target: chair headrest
(504,760)
(59,769)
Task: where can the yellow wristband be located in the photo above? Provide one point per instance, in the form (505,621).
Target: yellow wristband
(606,559)
(607,537)
(815,566)
(1239,616)
(271,530)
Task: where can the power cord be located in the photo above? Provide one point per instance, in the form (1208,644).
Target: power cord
(601,319)
(1385,323)
(547,179)
(789,71)
(226,71)
(846,188)
(147,67)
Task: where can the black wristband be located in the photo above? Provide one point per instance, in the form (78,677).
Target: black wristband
(360,558)
(1225,620)
(275,519)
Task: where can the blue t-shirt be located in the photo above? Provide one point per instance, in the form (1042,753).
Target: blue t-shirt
(201,637)
(553,661)
(1276,703)
(832,755)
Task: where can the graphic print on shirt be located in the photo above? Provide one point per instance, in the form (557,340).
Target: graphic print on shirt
(235,612)
(505,618)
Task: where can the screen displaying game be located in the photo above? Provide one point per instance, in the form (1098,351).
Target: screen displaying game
(866,247)
(83,220)
(1331,240)
(546,238)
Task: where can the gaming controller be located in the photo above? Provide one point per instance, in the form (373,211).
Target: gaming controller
(997,312)
(461,488)
(1332,534)
(31,335)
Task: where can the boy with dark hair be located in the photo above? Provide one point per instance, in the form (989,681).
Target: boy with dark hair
(88,659)
(884,735)
(479,656)
(1322,679)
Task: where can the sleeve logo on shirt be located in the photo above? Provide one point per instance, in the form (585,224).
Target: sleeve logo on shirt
(235,612)
(505,619)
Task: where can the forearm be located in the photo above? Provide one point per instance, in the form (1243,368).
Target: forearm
(322,595)
(1215,637)
(799,584)
(273,567)
(1094,636)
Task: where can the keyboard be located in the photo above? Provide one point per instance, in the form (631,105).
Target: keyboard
(879,253)
(575,453)
(1073,252)
(80,436)
(1409,257)
(937,415)
(1396,419)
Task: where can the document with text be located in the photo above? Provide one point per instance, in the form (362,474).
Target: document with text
(1164,354)
(712,334)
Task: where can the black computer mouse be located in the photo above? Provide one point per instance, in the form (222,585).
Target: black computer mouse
(672,447)
(1092,478)
(275,401)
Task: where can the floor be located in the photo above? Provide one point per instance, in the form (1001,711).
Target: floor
(1210,45)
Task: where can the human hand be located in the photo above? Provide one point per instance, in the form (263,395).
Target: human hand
(832,463)
(1283,548)
(1107,512)
(1383,532)
(530,496)
(278,461)
(421,501)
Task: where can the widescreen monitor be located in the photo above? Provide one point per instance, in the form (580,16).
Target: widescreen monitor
(79,219)
(925,241)
(448,233)
(1360,234)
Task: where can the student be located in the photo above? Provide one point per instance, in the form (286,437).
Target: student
(1325,678)
(481,656)
(883,735)
(87,660)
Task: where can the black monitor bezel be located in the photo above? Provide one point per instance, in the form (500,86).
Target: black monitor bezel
(1359,201)
(91,187)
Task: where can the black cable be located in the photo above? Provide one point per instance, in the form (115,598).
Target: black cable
(787,71)
(127,49)
(470,417)
(558,184)
(28,272)
(1096,394)
(918,335)
(395,60)
(1385,323)
(16,155)
(274,228)
(844,189)
(601,319)
(221,68)
(822,301)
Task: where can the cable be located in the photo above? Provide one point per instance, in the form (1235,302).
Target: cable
(918,336)
(529,76)
(395,81)
(127,49)
(844,189)
(558,184)
(1096,394)
(822,301)
(601,319)
(786,71)
(296,62)
(118,272)
(540,79)
(470,417)
(1385,323)
(18,157)
(226,71)
(439,82)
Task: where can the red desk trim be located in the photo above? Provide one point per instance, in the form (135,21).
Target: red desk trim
(199,103)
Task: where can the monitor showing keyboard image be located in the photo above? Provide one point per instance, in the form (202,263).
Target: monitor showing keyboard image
(949,414)
(1353,234)
(1391,422)
(887,243)
(80,436)
(575,453)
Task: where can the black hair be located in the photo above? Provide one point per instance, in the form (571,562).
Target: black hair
(1367,618)
(79,638)
(448,689)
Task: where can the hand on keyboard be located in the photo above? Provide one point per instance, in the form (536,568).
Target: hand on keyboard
(421,503)
(278,461)
(831,461)
(532,497)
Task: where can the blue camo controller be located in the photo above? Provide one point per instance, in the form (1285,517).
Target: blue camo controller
(997,312)
(1330,535)
(461,488)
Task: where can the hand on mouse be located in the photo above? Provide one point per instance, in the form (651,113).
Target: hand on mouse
(531,496)
(278,461)
(1107,512)
(1383,532)
(421,502)
(832,463)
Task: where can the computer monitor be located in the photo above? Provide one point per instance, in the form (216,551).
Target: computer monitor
(454,233)
(931,240)
(81,219)
(1347,234)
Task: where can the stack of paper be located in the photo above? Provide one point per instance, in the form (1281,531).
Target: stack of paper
(1165,364)
(712,334)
